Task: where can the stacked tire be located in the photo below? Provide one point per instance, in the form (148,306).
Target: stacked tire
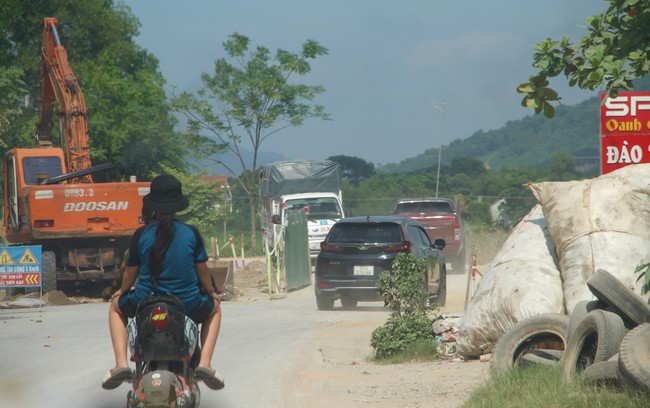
(609,338)
(605,341)
(539,339)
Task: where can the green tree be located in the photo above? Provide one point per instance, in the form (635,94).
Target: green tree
(613,53)
(247,101)
(563,166)
(130,114)
(354,168)
(462,183)
(468,166)
(479,211)
(208,207)
(122,86)
(12,90)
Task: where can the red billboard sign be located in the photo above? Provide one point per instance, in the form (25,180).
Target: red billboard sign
(624,130)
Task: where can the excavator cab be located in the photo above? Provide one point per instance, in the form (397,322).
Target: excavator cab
(24,167)
(39,169)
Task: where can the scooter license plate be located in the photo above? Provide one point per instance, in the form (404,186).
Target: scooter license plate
(364,270)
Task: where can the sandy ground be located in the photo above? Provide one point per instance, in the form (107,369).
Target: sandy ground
(333,368)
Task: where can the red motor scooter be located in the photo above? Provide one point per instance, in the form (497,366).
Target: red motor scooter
(164,346)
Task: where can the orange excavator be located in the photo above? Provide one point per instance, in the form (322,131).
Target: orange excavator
(50,198)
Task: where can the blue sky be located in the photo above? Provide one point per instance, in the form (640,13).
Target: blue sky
(388,61)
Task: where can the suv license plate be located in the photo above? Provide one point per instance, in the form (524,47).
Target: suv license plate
(364,270)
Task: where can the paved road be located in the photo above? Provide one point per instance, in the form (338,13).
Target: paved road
(57,356)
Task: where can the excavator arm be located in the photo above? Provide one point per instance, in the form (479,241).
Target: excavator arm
(59,85)
(50,199)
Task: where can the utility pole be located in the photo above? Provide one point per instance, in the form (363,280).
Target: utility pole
(440,106)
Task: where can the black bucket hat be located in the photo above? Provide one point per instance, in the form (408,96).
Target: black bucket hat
(166,195)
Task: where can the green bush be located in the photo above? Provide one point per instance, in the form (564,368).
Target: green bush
(403,287)
(403,292)
(400,332)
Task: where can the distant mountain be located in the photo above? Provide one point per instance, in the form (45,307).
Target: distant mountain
(529,141)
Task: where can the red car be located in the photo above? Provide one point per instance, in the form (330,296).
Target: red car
(440,220)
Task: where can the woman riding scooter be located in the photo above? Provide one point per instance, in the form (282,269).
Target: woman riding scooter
(166,256)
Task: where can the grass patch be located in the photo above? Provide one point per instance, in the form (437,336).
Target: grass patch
(418,351)
(542,386)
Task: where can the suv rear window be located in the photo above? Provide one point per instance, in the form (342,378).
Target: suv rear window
(365,233)
(424,207)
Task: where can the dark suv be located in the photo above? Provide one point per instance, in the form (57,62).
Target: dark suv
(358,249)
(441,220)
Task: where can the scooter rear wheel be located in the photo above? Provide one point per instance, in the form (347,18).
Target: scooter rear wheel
(129,400)
(196,396)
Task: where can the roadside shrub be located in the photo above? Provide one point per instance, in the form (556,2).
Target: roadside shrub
(399,332)
(403,288)
(404,294)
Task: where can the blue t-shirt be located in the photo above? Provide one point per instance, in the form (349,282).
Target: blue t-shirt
(178,275)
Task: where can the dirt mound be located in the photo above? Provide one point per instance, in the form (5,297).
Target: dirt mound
(252,275)
(57,298)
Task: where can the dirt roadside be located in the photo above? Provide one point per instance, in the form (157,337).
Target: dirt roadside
(333,367)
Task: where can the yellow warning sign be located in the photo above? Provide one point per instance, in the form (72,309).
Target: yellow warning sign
(5,258)
(27,258)
(33,279)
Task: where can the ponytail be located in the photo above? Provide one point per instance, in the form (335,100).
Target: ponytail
(164,235)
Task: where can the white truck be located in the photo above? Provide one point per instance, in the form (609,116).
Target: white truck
(311,185)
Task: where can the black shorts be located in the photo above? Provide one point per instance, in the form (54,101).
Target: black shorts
(206,305)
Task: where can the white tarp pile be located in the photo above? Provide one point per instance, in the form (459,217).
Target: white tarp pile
(597,223)
(523,280)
